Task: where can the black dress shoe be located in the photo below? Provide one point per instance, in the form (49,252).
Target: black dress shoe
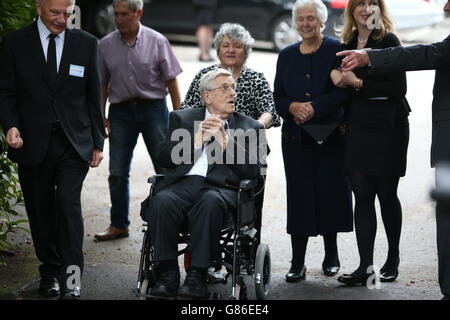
(70,294)
(49,287)
(389,276)
(167,284)
(194,285)
(389,272)
(354,279)
(330,271)
(446,297)
(295,275)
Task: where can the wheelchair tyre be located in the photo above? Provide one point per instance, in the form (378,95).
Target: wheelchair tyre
(262,271)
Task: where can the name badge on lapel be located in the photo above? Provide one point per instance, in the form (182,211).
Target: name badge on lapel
(76,71)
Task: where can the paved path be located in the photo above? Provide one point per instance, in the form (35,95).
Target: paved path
(111,267)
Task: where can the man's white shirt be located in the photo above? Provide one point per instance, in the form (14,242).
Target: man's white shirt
(200,167)
(59,41)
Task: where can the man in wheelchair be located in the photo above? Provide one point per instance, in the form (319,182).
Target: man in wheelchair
(208,152)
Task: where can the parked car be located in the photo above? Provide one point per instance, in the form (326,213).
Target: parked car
(409,14)
(269,21)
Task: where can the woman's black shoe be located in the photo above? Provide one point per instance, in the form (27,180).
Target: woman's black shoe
(389,272)
(330,271)
(389,276)
(295,276)
(354,279)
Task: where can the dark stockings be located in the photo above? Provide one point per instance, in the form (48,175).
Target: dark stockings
(365,188)
(298,252)
(299,244)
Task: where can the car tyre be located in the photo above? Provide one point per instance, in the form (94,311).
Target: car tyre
(103,21)
(282,33)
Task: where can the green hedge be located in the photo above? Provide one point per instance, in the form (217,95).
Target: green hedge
(14,14)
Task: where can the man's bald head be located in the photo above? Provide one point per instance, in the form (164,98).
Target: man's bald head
(55,13)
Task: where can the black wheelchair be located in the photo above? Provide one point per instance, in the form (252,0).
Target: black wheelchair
(241,253)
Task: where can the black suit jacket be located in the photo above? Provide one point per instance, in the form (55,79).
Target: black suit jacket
(26,95)
(425,57)
(224,176)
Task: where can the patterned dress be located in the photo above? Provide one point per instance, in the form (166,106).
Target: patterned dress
(254,96)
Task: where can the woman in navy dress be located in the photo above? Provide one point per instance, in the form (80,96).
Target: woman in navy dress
(318,190)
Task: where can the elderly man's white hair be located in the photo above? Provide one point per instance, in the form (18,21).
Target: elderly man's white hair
(318,5)
(134,5)
(206,81)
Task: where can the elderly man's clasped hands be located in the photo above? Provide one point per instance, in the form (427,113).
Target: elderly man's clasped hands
(212,127)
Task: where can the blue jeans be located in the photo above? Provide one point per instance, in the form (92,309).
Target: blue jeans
(127,121)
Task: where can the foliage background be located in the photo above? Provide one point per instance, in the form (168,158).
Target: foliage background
(14,14)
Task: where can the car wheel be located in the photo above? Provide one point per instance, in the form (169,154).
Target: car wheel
(103,23)
(282,32)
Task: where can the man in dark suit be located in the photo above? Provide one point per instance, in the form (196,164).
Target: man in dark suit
(422,57)
(50,112)
(199,189)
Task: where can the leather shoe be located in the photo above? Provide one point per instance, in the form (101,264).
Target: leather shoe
(330,271)
(112,233)
(295,276)
(49,287)
(194,285)
(70,294)
(354,279)
(167,284)
(389,276)
(389,272)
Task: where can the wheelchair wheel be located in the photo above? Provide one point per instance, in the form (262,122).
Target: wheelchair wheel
(262,271)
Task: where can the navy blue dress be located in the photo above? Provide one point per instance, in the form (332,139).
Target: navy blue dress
(318,190)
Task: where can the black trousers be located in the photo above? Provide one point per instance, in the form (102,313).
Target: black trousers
(52,192)
(193,206)
(443,245)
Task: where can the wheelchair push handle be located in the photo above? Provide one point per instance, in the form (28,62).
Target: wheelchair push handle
(248,184)
(155,178)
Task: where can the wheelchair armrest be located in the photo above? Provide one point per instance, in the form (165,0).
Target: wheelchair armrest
(155,178)
(248,184)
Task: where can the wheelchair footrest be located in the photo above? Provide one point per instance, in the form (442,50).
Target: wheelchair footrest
(216,276)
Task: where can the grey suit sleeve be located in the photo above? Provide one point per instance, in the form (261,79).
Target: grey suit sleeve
(244,157)
(185,153)
(418,57)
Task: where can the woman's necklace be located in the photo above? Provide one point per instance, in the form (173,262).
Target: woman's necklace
(310,50)
(362,41)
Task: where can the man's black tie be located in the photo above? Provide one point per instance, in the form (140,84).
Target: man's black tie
(52,69)
(51,58)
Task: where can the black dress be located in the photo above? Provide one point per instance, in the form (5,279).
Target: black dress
(377,121)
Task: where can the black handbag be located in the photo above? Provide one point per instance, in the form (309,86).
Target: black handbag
(319,132)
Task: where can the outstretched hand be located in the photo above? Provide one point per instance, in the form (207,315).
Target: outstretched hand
(353,59)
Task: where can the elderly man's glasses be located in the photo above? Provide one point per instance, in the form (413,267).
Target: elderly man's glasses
(225,89)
